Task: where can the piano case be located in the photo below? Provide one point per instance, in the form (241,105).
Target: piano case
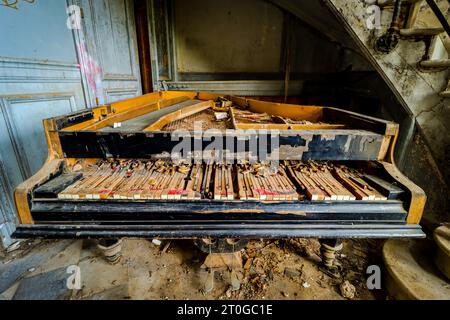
(256,170)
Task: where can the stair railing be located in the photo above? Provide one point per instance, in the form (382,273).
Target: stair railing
(389,41)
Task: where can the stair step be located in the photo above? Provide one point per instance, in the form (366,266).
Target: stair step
(442,258)
(418,32)
(410,271)
(431,64)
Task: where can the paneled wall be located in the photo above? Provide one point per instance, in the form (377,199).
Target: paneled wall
(228,36)
(39,78)
(242,47)
(48,68)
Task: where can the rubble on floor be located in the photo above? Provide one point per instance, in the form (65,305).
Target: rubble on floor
(284,269)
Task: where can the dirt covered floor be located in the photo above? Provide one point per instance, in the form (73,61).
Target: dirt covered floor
(271,270)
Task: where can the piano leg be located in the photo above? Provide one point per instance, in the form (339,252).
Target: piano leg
(328,249)
(112,249)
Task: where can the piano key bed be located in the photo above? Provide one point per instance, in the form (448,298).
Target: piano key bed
(163,180)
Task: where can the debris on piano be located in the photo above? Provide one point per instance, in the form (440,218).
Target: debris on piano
(200,121)
(245,116)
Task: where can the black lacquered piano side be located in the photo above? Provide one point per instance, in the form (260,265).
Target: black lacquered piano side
(293,145)
(176,210)
(215,229)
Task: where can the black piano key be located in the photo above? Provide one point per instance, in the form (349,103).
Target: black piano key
(387,189)
(52,188)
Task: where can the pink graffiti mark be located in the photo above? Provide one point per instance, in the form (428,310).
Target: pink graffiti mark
(266,193)
(177,192)
(89,67)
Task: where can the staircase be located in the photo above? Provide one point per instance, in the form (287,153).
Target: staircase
(416,69)
(418,269)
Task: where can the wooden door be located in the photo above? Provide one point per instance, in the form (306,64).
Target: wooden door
(109,36)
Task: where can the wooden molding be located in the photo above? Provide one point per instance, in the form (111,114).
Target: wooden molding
(418,197)
(133,113)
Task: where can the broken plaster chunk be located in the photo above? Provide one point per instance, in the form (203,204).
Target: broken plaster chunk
(348,290)
(15,246)
(117,125)
(291,272)
(221,116)
(77,167)
(157,242)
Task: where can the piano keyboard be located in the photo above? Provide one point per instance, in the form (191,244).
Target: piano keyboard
(161,180)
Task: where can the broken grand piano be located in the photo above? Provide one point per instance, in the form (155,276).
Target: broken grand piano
(324,172)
